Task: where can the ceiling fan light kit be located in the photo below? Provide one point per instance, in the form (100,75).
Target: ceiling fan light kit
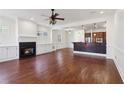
(54,17)
(53,22)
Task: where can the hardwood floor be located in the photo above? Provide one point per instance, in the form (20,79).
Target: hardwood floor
(60,67)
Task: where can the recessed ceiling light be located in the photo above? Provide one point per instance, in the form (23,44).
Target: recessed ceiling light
(101,12)
(32,18)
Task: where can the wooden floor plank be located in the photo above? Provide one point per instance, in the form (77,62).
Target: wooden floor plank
(60,67)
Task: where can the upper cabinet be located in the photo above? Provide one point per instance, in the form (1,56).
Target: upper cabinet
(27,28)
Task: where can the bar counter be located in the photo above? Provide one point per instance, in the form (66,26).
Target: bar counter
(90,47)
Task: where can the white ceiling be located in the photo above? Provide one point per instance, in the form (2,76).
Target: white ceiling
(70,15)
(87,27)
(99,25)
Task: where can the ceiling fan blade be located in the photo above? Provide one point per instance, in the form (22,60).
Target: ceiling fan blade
(59,18)
(56,14)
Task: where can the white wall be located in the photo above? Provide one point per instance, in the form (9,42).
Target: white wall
(74,36)
(8,37)
(109,29)
(110,36)
(70,38)
(45,35)
(63,35)
(79,36)
(119,42)
(44,40)
(27,30)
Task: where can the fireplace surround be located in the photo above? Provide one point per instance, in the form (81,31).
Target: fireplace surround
(27,49)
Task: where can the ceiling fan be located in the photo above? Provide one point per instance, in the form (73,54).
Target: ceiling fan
(53,17)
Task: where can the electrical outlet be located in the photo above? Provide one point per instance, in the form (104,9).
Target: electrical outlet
(115,57)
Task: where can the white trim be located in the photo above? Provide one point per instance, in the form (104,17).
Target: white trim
(116,61)
(119,69)
(28,36)
(44,43)
(6,60)
(87,53)
(44,52)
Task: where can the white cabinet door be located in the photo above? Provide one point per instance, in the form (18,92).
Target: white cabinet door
(12,52)
(3,53)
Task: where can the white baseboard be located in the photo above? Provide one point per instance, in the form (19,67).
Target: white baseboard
(119,69)
(87,53)
(5,60)
(118,54)
(45,52)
